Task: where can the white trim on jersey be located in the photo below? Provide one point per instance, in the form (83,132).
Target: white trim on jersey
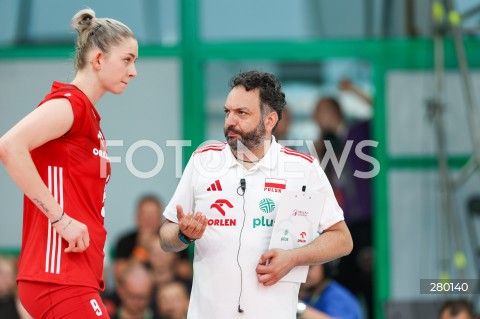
(54,250)
(59,252)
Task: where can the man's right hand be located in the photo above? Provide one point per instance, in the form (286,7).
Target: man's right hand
(191,225)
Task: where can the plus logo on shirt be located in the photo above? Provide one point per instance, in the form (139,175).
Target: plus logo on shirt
(267,206)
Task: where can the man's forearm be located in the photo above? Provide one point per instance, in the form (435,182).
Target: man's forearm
(332,244)
(169,237)
(312,313)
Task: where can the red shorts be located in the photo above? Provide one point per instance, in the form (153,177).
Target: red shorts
(52,301)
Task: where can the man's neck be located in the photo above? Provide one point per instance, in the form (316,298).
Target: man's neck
(253,155)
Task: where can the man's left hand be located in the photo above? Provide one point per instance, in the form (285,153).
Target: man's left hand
(274,265)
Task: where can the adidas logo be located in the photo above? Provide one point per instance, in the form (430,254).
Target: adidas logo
(215,186)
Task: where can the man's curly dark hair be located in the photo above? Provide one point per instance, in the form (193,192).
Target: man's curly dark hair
(272,99)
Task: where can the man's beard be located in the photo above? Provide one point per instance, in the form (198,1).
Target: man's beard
(249,140)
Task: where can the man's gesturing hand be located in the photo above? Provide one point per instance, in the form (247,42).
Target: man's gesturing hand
(191,225)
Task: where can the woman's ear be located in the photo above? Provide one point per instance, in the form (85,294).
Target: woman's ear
(97,60)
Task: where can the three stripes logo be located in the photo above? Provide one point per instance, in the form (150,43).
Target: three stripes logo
(54,249)
(267,205)
(216,186)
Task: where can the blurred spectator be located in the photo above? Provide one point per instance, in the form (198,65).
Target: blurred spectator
(135,244)
(457,309)
(10,306)
(162,263)
(172,300)
(142,245)
(353,193)
(281,131)
(330,119)
(169,266)
(325,298)
(134,287)
(347,86)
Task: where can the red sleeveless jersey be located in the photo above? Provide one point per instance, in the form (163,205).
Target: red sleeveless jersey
(75,168)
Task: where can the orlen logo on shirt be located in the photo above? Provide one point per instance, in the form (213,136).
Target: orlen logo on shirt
(101,152)
(267,206)
(302,236)
(220,206)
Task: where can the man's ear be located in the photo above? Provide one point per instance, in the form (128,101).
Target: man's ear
(271,120)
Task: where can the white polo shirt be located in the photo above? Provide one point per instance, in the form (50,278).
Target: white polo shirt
(239,228)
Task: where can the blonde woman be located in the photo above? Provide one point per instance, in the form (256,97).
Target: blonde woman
(57,156)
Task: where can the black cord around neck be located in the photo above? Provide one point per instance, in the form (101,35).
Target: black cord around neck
(246,161)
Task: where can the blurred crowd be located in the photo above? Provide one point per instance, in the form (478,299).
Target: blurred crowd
(336,148)
(149,282)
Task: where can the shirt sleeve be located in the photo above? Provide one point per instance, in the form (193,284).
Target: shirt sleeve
(331,212)
(80,119)
(184,194)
